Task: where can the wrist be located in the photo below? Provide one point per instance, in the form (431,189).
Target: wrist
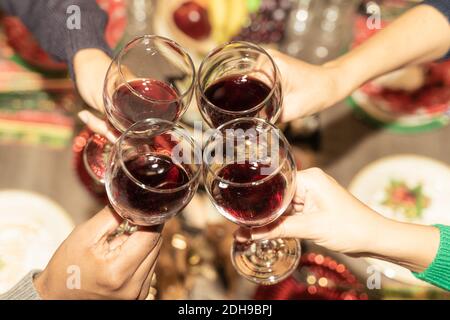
(409,245)
(40,285)
(369,244)
(344,77)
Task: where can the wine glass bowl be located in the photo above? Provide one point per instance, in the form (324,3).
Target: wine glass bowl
(153,172)
(253,184)
(151,77)
(249,173)
(238,79)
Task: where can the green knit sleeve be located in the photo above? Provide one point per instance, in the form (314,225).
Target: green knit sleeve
(438,272)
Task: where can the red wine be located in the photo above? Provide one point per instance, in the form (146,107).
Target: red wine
(155,171)
(248,203)
(131,108)
(237,93)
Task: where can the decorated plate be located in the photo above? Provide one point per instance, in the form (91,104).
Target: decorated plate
(407,188)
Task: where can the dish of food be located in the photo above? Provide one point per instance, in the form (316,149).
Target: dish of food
(31,229)
(407,188)
(407,100)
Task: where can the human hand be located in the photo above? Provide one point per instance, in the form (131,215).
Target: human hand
(117,268)
(307,88)
(325,213)
(90,67)
(98,125)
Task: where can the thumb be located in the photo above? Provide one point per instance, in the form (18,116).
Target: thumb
(97,125)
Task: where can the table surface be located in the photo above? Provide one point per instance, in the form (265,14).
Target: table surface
(348,144)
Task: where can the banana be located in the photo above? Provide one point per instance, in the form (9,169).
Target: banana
(217,11)
(237,15)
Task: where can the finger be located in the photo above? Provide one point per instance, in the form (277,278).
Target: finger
(145,290)
(142,276)
(103,223)
(136,249)
(149,262)
(289,227)
(97,125)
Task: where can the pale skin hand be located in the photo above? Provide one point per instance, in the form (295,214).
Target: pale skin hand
(117,268)
(90,67)
(325,213)
(420,35)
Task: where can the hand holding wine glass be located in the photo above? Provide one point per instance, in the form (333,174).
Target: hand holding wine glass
(121,268)
(325,213)
(307,88)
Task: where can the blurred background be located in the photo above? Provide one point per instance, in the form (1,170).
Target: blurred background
(388,143)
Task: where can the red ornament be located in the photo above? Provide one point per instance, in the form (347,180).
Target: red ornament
(322,279)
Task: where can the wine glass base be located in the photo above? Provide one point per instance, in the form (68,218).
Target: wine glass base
(266,262)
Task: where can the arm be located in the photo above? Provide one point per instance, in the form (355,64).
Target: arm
(85,50)
(47,20)
(420,35)
(328,215)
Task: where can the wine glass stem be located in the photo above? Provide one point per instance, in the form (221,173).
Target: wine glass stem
(127,227)
(265,251)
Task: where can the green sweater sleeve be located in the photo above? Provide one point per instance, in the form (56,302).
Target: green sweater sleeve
(438,272)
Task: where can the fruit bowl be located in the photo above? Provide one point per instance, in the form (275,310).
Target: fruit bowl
(202,25)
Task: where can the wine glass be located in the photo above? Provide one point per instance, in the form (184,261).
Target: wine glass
(151,77)
(238,79)
(249,173)
(152,172)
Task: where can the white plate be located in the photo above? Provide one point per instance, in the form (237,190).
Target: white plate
(31,229)
(369,187)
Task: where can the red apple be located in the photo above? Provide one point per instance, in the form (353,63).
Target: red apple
(192,19)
